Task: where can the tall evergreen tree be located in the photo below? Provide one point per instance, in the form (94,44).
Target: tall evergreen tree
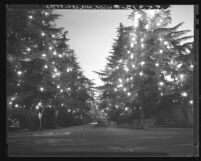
(42,71)
(144,69)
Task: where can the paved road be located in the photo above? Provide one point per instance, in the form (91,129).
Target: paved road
(92,141)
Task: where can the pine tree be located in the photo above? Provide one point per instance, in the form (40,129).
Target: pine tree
(43,73)
(142,70)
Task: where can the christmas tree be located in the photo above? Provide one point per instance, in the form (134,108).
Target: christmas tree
(42,71)
(150,67)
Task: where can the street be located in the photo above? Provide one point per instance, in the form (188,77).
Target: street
(88,140)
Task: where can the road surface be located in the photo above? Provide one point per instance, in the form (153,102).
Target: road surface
(88,140)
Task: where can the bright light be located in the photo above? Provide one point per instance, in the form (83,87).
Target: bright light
(133,66)
(43,55)
(42,34)
(69,110)
(117,106)
(46,13)
(169,78)
(55,69)
(165,42)
(115,89)
(10,103)
(126,108)
(191,102)
(160,39)
(142,62)
(132,56)
(135,23)
(28,49)
(53,35)
(69,88)
(39,104)
(31,17)
(61,90)
(191,66)
(117,67)
(41,89)
(161,94)
(128,93)
(16,105)
(184,94)
(142,45)
(132,44)
(181,76)
(50,48)
(126,69)
(141,73)
(60,55)
(19,73)
(37,107)
(147,26)
(120,80)
(46,66)
(161,83)
(179,65)
(157,64)
(141,39)
(58,86)
(54,53)
(124,89)
(120,60)
(161,51)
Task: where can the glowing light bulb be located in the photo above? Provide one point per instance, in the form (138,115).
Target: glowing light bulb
(165,43)
(42,34)
(181,76)
(142,62)
(54,53)
(43,55)
(161,83)
(184,94)
(19,73)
